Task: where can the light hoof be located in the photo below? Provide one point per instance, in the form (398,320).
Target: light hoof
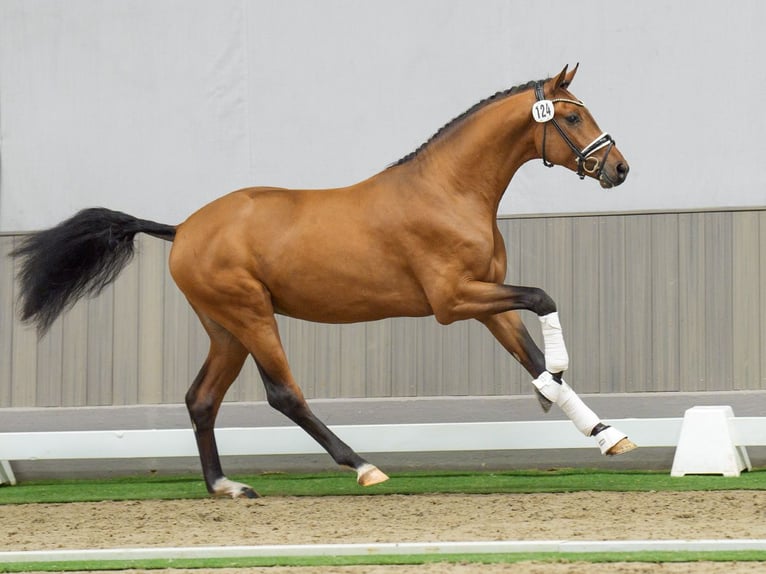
(612,441)
(225,488)
(623,446)
(367,475)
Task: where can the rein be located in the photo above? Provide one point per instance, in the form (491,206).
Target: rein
(584,155)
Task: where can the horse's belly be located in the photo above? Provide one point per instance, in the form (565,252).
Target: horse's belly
(332,302)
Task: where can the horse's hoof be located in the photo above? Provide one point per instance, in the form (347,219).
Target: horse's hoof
(623,446)
(544,401)
(368,474)
(248,492)
(224,487)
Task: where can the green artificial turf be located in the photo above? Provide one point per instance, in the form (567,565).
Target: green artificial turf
(335,483)
(595,557)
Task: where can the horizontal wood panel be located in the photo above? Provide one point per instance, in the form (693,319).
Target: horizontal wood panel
(649,302)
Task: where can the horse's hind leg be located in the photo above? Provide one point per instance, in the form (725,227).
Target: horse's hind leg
(510,331)
(203,399)
(287,398)
(256,327)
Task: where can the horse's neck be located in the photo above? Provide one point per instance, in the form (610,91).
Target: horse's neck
(480,156)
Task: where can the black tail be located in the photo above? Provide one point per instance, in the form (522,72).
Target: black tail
(78,257)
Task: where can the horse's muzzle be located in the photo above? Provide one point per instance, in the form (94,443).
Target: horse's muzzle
(613,177)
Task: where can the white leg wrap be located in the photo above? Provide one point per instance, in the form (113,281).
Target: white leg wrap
(549,388)
(563,395)
(556,356)
(577,411)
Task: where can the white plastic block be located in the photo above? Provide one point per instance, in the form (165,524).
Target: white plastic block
(709,444)
(6,473)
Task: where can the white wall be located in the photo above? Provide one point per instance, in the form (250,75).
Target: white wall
(156,107)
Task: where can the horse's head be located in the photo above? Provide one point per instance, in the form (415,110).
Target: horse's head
(568,135)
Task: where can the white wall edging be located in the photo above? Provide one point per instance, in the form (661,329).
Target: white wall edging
(383,548)
(429,437)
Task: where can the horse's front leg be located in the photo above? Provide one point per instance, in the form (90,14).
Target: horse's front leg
(480,300)
(511,333)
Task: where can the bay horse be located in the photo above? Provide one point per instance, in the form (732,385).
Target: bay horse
(419,238)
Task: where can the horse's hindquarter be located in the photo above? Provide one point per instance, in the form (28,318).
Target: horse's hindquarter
(332,256)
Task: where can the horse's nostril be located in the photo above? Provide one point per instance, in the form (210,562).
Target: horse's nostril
(622,170)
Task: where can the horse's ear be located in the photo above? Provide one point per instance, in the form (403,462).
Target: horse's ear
(565,78)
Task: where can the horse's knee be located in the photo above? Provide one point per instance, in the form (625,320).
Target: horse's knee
(541,302)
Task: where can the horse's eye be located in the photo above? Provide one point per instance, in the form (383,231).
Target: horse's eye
(572,118)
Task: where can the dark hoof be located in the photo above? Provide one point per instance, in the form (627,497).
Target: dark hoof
(248,492)
(545,403)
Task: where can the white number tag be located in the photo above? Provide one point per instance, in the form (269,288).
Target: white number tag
(543,111)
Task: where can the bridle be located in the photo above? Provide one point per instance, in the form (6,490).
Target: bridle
(585,162)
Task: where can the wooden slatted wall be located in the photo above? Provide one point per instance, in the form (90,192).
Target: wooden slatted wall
(649,302)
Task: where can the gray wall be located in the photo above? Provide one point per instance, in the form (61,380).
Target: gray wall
(157,107)
(649,302)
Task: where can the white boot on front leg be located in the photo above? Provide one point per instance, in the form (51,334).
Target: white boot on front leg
(610,440)
(613,442)
(556,356)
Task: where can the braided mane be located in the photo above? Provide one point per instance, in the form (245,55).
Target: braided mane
(470,111)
